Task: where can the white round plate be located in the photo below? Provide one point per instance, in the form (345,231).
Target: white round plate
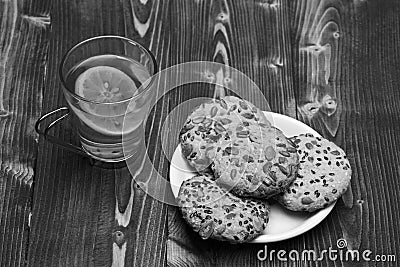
(283,224)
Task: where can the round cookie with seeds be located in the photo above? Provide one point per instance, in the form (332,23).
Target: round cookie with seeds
(255,161)
(210,122)
(215,213)
(324,175)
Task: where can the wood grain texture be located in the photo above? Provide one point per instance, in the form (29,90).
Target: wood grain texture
(254,37)
(319,31)
(375,123)
(322,49)
(343,56)
(358,78)
(334,64)
(85,215)
(24,32)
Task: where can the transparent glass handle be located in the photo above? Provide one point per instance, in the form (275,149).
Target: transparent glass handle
(43,129)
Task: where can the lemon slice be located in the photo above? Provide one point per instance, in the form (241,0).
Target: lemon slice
(107,85)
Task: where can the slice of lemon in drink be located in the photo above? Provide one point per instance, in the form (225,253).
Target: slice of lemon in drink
(104,84)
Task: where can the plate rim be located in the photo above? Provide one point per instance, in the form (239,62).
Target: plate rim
(318,216)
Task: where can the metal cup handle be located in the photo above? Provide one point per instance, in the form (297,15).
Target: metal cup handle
(43,131)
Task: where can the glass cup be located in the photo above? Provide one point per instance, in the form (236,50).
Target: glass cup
(106,81)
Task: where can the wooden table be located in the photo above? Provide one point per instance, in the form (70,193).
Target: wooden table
(332,64)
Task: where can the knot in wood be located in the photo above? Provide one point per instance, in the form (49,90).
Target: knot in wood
(222,17)
(269,3)
(209,76)
(119,238)
(336,35)
(4,113)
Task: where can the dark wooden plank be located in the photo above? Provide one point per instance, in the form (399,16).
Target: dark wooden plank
(375,122)
(80,209)
(24,28)
(346,91)
(321,34)
(254,37)
(147,23)
(72,214)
